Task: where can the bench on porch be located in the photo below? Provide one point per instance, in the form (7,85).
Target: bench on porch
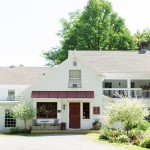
(46,125)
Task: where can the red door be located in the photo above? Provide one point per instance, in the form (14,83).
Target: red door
(74,115)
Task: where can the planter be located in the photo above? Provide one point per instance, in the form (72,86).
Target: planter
(96,126)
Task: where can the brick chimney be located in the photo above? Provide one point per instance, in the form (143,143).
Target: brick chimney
(144,47)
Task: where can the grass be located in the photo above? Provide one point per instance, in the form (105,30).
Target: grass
(95,137)
(29,134)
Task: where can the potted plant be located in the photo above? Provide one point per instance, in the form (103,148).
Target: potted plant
(96,124)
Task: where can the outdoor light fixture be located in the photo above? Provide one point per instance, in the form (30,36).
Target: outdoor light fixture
(64,106)
(119,83)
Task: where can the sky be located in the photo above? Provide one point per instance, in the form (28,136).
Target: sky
(28,27)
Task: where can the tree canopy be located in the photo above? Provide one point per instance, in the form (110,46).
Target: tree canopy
(97,27)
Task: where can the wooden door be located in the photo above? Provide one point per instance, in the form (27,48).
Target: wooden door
(74,115)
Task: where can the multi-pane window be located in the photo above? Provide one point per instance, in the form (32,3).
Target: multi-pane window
(46,110)
(108,85)
(86,110)
(11,94)
(132,85)
(74,78)
(9,120)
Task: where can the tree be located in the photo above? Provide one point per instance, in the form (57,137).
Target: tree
(23,111)
(128,111)
(143,36)
(96,27)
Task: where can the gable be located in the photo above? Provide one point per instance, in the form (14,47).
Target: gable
(58,79)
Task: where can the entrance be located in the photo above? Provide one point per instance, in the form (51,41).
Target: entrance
(74,115)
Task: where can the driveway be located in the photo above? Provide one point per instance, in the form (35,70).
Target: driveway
(51,142)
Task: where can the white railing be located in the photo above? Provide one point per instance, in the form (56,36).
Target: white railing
(11,97)
(132,92)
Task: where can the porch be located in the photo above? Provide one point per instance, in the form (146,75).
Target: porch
(128,88)
(64,131)
(46,125)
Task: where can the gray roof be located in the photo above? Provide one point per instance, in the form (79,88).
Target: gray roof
(116,61)
(22,75)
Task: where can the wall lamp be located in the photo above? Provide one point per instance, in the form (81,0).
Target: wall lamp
(64,107)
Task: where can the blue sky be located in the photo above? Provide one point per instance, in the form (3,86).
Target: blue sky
(29,26)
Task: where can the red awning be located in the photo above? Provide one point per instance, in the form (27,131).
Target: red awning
(62,94)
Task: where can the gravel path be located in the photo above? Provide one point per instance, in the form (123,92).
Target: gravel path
(51,142)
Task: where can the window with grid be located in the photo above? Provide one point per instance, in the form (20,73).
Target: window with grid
(46,110)
(86,111)
(9,120)
(74,78)
(11,94)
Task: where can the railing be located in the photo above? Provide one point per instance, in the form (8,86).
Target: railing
(132,93)
(9,98)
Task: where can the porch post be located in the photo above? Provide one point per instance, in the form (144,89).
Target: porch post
(129,87)
(59,110)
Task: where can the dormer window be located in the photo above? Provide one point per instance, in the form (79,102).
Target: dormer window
(11,94)
(74,78)
(74,63)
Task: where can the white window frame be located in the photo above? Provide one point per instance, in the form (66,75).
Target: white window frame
(11,94)
(9,120)
(74,79)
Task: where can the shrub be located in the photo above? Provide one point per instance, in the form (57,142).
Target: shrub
(112,139)
(144,125)
(105,134)
(145,142)
(132,134)
(127,111)
(25,131)
(15,130)
(115,133)
(122,139)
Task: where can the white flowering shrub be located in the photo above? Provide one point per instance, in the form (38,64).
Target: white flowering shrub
(128,111)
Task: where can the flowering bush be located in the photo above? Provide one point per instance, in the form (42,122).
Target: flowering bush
(127,111)
(145,142)
(132,134)
(122,139)
(105,134)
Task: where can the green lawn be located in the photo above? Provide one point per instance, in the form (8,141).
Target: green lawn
(95,137)
(30,134)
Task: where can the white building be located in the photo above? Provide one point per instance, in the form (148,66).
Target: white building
(74,92)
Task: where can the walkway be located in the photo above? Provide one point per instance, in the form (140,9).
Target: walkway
(51,142)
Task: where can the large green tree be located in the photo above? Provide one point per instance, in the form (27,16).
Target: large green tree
(96,27)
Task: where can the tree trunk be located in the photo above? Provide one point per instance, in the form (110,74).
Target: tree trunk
(127,128)
(127,131)
(25,123)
